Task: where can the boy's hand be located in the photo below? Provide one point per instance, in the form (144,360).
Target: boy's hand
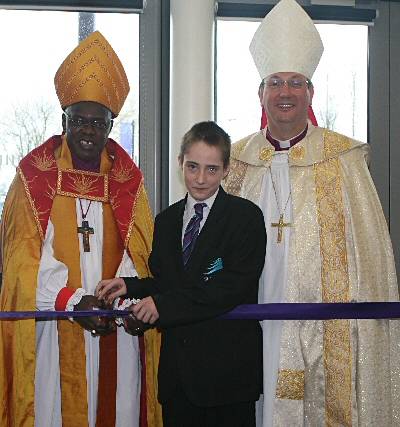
(108,290)
(145,310)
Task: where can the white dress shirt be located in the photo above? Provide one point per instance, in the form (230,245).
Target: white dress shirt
(189,211)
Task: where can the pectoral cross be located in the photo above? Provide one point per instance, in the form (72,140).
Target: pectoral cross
(280,226)
(85,230)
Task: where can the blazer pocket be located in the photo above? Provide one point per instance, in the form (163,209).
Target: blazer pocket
(213,267)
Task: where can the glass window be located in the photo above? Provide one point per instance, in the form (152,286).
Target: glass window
(34,45)
(340,81)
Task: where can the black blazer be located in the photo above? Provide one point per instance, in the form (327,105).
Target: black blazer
(214,361)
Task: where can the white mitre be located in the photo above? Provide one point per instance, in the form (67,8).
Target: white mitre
(286,41)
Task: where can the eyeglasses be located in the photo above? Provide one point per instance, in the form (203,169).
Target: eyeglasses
(78,122)
(295,83)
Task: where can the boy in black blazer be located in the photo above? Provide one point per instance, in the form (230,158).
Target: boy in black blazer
(207,256)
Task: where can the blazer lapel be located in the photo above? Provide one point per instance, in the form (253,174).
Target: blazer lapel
(176,231)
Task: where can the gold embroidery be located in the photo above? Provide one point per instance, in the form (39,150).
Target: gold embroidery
(290,384)
(297,152)
(42,214)
(31,202)
(337,360)
(43,162)
(83,51)
(82,184)
(133,218)
(233,182)
(83,196)
(335,288)
(103,67)
(331,220)
(114,200)
(122,173)
(335,144)
(238,147)
(51,191)
(266,154)
(79,87)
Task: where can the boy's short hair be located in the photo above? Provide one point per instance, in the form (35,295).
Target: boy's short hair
(209,133)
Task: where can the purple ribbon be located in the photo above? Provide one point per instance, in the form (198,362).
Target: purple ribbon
(276,311)
(316,311)
(53,315)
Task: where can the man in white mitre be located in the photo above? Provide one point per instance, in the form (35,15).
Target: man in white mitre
(327,242)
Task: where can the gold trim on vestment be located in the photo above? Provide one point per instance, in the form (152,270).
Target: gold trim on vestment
(238,147)
(32,204)
(84,183)
(297,152)
(133,216)
(234,180)
(290,384)
(266,154)
(338,366)
(335,143)
(335,286)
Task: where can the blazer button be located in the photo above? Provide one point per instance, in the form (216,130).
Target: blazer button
(206,278)
(184,341)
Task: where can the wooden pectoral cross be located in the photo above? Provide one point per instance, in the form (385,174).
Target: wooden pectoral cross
(85,230)
(280,226)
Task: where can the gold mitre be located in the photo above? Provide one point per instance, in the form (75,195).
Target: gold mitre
(92,72)
(286,41)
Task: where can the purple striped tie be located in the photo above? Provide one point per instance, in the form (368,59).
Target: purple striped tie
(192,231)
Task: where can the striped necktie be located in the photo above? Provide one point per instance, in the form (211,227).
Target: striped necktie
(192,231)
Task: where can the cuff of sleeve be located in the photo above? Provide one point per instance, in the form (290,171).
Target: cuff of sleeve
(157,301)
(75,299)
(123,304)
(62,298)
(132,287)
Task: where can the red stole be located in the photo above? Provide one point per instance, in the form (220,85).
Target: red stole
(43,180)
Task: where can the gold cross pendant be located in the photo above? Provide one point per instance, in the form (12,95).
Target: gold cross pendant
(280,226)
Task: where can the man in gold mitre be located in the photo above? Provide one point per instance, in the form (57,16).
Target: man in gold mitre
(76,213)
(327,242)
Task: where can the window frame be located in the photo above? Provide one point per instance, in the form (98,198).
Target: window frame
(318,12)
(153,80)
(129,6)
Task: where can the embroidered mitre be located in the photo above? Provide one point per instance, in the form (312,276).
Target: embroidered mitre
(92,72)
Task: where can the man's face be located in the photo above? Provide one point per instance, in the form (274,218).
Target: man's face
(203,170)
(87,126)
(286,106)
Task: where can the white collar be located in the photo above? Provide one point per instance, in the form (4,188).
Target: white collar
(190,202)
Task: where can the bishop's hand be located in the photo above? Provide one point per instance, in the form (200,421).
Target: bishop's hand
(109,289)
(95,324)
(134,326)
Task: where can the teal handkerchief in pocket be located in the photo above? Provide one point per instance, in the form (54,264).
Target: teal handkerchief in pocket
(214,266)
